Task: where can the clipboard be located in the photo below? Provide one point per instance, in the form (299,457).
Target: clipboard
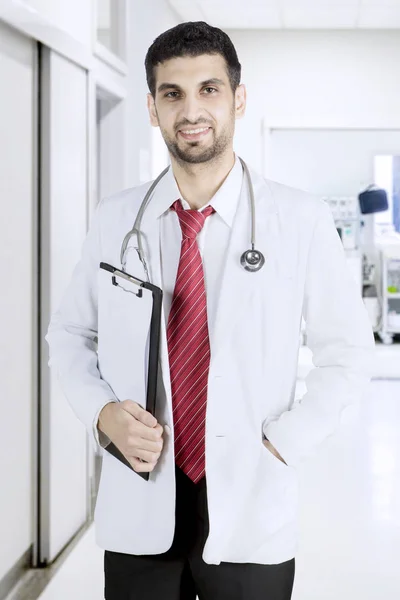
(141,289)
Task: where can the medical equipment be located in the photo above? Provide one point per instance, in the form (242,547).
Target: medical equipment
(390,293)
(346,214)
(373,199)
(251,260)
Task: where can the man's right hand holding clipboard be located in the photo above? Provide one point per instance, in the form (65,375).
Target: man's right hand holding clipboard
(134,431)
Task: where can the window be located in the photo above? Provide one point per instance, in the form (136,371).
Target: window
(387,176)
(111,16)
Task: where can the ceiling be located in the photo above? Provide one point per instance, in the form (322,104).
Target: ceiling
(292,14)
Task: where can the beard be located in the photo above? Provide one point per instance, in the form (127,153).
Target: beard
(190,155)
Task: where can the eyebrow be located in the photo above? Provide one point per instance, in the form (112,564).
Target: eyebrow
(168,86)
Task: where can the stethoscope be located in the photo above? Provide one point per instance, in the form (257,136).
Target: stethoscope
(251,260)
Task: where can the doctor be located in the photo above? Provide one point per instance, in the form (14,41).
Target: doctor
(218,516)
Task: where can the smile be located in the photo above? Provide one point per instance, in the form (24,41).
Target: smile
(194,134)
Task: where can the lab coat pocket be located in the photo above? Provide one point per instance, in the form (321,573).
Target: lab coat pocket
(273,458)
(278,489)
(268,502)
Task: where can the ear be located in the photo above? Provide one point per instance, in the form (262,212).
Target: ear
(151,106)
(240,101)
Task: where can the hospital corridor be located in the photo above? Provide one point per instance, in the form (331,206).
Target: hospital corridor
(200,242)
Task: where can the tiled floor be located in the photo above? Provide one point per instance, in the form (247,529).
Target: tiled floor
(350,500)
(350,515)
(81,576)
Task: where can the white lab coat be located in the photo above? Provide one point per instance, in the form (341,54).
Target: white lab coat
(252,496)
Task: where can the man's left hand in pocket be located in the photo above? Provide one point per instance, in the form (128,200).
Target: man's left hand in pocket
(271,448)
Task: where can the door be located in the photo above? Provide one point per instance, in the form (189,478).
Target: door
(64,483)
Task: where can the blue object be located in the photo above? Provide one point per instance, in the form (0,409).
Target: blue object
(373,200)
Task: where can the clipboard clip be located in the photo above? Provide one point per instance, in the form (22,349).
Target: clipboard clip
(139,293)
(123,275)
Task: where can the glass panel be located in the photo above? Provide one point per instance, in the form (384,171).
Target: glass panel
(110,22)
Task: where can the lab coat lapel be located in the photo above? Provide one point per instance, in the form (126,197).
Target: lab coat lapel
(151,240)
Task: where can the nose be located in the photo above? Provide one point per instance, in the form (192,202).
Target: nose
(192,109)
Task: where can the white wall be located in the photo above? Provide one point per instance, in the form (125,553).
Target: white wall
(111,131)
(72,16)
(311,78)
(327,162)
(155,17)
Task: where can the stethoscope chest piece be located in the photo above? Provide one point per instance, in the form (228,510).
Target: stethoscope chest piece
(252,260)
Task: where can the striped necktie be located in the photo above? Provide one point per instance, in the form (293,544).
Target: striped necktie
(189,347)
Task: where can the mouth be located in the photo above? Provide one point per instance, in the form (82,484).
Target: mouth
(194,134)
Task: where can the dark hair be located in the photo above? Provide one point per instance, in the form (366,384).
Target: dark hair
(192,39)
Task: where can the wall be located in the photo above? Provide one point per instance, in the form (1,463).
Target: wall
(73,16)
(311,78)
(327,162)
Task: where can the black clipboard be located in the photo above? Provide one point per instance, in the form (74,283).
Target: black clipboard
(154,347)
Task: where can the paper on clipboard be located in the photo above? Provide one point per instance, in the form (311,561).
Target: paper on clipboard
(124,330)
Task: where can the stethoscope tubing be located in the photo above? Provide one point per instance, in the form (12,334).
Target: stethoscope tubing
(136,227)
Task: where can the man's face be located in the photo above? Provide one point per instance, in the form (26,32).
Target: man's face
(195,107)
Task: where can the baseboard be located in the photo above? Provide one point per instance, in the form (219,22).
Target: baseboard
(15,574)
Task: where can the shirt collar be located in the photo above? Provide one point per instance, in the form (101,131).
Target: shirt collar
(224,201)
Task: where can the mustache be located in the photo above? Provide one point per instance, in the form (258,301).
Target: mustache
(187,123)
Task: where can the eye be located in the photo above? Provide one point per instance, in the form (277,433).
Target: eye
(168,95)
(210,90)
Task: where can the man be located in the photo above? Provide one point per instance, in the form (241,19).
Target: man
(217,517)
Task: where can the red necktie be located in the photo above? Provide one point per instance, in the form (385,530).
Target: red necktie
(189,347)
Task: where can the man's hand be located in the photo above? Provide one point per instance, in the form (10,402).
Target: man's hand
(134,431)
(271,448)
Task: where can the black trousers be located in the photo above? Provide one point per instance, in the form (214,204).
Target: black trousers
(181,574)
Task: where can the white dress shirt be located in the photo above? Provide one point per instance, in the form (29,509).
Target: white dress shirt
(212,240)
